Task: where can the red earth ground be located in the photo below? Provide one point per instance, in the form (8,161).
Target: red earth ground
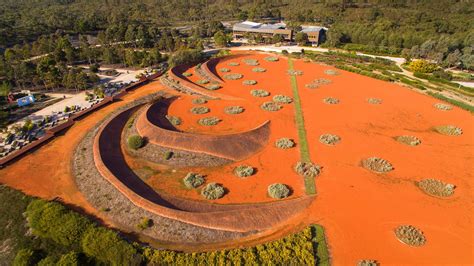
(359,209)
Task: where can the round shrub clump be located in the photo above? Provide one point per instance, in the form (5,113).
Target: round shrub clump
(193,180)
(251,62)
(409,140)
(330,100)
(278,191)
(233,76)
(243,171)
(331,72)
(259,69)
(213,87)
(282,99)
(135,142)
(295,72)
(376,164)
(249,82)
(317,83)
(259,93)
(367,263)
(436,187)
(174,120)
(307,169)
(187,74)
(270,106)
(224,69)
(284,143)
(233,110)
(233,64)
(329,139)
(374,101)
(199,101)
(410,235)
(449,130)
(203,81)
(199,110)
(271,59)
(209,121)
(213,191)
(443,107)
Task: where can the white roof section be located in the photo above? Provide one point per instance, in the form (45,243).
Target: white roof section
(258,27)
(307,29)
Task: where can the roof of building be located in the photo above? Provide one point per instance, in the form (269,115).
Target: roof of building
(258,27)
(307,29)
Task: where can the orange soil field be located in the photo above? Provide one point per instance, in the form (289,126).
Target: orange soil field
(359,209)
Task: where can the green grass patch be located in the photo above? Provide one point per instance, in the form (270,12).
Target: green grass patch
(459,104)
(303,142)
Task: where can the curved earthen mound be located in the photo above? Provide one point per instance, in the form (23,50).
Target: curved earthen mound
(376,164)
(233,146)
(410,235)
(437,188)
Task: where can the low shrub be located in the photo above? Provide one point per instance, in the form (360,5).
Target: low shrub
(199,110)
(249,82)
(251,62)
(329,139)
(374,101)
(145,223)
(331,72)
(307,169)
(443,107)
(284,143)
(259,69)
(367,263)
(376,164)
(213,87)
(271,59)
(224,69)
(331,100)
(168,155)
(174,120)
(233,64)
(295,72)
(213,191)
(193,180)
(243,171)
(317,83)
(259,93)
(270,106)
(409,140)
(449,130)
(187,74)
(135,142)
(233,110)
(422,66)
(278,191)
(410,235)
(436,188)
(202,81)
(209,121)
(233,76)
(282,99)
(199,101)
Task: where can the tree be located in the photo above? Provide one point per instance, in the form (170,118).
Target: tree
(221,39)
(69,259)
(301,38)
(277,38)
(26,257)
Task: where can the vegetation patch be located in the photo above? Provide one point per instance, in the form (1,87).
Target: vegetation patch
(271,59)
(233,64)
(199,101)
(233,110)
(331,72)
(145,223)
(187,74)
(224,69)
(174,120)
(437,188)
(409,140)
(278,191)
(307,169)
(367,263)
(251,62)
(284,143)
(374,101)
(193,180)
(293,72)
(209,121)
(317,83)
(244,171)
(202,81)
(331,100)
(282,99)
(249,82)
(376,164)
(410,235)
(135,142)
(213,191)
(259,69)
(259,93)
(329,139)
(199,110)
(213,87)
(270,106)
(233,76)
(443,106)
(449,130)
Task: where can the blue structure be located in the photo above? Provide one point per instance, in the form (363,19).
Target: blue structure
(24,101)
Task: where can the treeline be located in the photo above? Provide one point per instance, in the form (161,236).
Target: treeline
(64,237)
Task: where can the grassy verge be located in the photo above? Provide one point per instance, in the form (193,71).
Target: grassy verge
(303,142)
(319,239)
